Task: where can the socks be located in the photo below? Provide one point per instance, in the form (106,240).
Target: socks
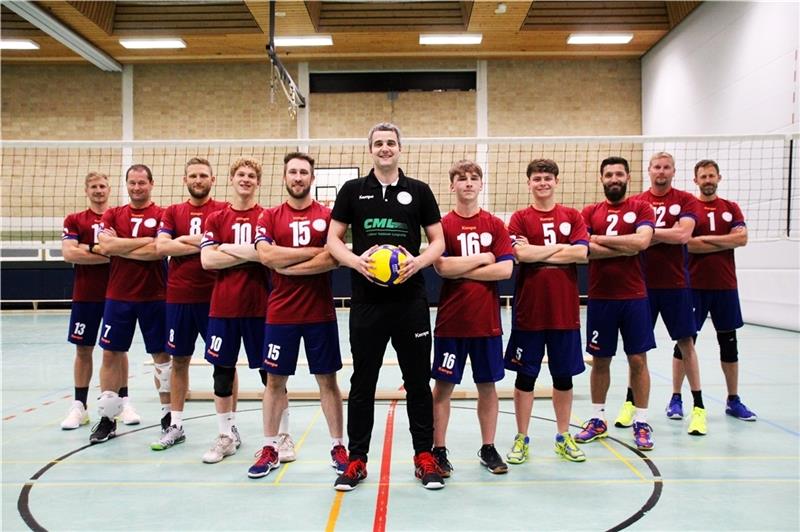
(697,397)
(82,394)
(225,422)
(629,395)
(599,410)
(284,426)
(640,415)
(177,418)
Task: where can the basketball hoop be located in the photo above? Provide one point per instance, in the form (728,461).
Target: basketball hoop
(279,75)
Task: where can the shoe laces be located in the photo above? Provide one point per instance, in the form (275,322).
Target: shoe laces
(339,454)
(355,469)
(427,463)
(519,444)
(285,441)
(267,455)
(643,430)
(220,444)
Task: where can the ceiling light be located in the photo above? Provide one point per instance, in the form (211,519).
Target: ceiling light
(309,40)
(450,38)
(599,38)
(18,44)
(152,44)
(500,9)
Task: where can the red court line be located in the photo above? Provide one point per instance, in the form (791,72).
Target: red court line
(382,500)
(8,417)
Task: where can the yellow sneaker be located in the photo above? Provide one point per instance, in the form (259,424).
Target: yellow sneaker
(625,417)
(697,426)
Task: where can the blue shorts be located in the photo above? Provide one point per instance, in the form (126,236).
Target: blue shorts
(676,308)
(226,335)
(726,314)
(485,355)
(119,324)
(525,351)
(282,347)
(184,322)
(606,318)
(84,320)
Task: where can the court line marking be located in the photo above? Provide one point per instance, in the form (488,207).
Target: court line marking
(382,499)
(298,445)
(617,455)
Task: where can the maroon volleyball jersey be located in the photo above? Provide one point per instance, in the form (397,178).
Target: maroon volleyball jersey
(90,280)
(715,271)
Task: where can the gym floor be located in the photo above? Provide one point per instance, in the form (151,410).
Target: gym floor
(741,476)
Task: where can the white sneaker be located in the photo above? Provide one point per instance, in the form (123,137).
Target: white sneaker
(237,438)
(76,416)
(223,446)
(286,448)
(129,415)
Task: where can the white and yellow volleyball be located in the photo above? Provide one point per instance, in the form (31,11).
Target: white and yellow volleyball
(387,260)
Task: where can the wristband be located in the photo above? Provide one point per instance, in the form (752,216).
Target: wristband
(91,247)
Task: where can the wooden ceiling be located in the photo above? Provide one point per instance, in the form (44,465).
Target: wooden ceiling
(222,30)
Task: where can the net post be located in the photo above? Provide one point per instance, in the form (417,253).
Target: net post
(789,190)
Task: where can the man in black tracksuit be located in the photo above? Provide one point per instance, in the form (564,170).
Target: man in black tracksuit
(386,207)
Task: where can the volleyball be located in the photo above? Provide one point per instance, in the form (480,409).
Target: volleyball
(387,261)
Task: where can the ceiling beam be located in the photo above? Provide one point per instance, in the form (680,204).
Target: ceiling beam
(57,30)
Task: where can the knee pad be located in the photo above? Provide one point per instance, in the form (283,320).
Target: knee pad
(562,384)
(263,374)
(109,405)
(524,383)
(676,353)
(223,381)
(728,346)
(163,373)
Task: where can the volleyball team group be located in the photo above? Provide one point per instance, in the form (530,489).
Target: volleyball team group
(239,273)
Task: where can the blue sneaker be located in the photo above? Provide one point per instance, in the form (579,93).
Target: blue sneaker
(737,409)
(267,460)
(641,436)
(675,408)
(593,429)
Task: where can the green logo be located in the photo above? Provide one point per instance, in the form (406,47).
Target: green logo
(383,223)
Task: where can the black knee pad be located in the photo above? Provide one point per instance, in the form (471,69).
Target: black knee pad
(524,383)
(728,346)
(223,381)
(676,353)
(263,374)
(562,384)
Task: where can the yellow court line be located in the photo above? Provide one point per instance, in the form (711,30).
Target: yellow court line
(333,515)
(411,485)
(618,456)
(298,445)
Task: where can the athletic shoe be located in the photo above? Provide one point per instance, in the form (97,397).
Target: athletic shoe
(267,460)
(356,472)
(567,449)
(237,438)
(78,416)
(675,408)
(625,417)
(593,429)
(173,436)
(103,431)
(129,415)
(426,469)
(286,448)
(445,467)
(697,425)
(166,421)
(339,458)
(491,459)
(735,408)
(519,449)
(642,436)
(223,446)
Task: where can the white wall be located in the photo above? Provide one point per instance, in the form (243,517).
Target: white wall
(732,68)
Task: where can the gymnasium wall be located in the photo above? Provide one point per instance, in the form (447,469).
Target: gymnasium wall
(731,68)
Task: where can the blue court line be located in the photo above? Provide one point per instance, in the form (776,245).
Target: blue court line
(778,426)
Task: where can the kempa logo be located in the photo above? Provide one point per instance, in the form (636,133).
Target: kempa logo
(422,334)
(383,223)
(369,196)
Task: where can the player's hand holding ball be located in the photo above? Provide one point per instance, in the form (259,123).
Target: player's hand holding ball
(389,265)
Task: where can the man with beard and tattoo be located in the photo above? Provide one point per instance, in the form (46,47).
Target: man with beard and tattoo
(189,286)
(720,229)
(290,240)
(619,229)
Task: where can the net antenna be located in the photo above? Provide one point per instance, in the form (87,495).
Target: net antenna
(279,75)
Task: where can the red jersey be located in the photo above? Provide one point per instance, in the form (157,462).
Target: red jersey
(715,271)
(298,298)
(617,277)
(467,308)
(546,295)
(667,265)
(187,281)
(135,280)
(90,280)
(240,291)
